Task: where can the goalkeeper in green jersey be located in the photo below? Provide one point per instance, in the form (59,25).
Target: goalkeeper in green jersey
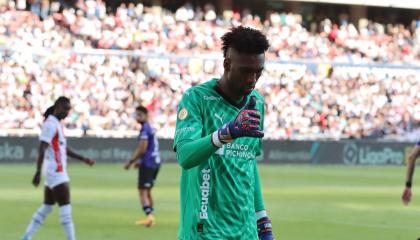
(218,136)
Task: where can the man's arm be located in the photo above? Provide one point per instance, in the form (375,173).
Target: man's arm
(41,152)
(415,153)
(411,164)
(71,153)
(264,226)
(193,153)
(140,150)
(258,199)
(246,124)
(47,133)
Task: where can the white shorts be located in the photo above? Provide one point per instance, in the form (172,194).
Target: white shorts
(53,179)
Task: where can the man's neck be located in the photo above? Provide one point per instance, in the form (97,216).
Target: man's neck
(56,117)
(227,92)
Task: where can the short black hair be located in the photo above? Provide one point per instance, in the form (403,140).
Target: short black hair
(245,40)
(60,100)
(49,111)
(141,109)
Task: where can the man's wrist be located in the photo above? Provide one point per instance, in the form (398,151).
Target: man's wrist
(261,214)
(215,139)
(265,229)
(408,184)
(222,135)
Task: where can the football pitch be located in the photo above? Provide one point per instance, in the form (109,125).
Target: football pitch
(304,202)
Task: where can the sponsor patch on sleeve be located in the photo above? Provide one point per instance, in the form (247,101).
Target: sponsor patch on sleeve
(183,114)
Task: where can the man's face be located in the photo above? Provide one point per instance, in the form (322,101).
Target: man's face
(141,117)
(63,110)
(243,71)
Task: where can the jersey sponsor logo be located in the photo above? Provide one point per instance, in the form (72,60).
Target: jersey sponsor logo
(220,151)
(212,98)
(186,129)
(205,191)
(237,146)
(219,117)
(183,114)
(238,150)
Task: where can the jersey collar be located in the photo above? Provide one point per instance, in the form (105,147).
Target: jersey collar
(54,118)
(229,100)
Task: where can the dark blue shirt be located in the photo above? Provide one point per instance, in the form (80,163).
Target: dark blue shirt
(151,157)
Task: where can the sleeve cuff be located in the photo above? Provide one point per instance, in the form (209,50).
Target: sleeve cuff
(45,139)
(215,139)
(261,214)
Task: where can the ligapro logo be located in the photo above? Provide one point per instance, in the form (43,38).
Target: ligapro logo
(350,153)
(353,154)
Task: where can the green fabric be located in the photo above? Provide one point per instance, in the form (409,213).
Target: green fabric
(220,189)
(258,200)
(187,155)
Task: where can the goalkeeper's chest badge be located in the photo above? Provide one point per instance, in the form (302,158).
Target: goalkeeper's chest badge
(183,114)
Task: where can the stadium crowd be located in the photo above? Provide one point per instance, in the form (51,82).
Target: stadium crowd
(47,55)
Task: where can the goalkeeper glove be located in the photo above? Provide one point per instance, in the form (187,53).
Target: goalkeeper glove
(246,124)
(265,231)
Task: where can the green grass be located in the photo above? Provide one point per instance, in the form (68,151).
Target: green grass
(304,202)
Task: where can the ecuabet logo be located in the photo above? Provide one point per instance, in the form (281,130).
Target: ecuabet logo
(205,192)
(183,114)
(350,152)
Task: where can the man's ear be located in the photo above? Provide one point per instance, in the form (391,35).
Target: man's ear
(227,64)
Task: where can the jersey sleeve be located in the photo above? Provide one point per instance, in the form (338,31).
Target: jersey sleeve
(261,107)
(144,133)
(189,122)
(47,133)
(258,199)
(418,143)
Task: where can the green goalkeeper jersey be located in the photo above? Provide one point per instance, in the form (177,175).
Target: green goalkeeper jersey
(220,194)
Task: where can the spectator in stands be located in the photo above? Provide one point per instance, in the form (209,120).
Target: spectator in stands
(302,100)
